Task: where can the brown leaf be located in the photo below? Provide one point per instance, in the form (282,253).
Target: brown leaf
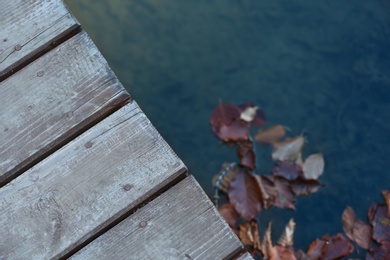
(380,221)
(246,154)
(379,252)
(313,166)
(245,195)
(289,149)
(356,230)
(228,212)
(227,125)
(287,169)
(348,218)
(283,253)
(268,191)
(267,248)
(301,186)
(225,176)
(249,234)
(300,255)
(285,197)
(271,135)
(286,239)
(224,114)
(330,247)
(235,132)
(386,195)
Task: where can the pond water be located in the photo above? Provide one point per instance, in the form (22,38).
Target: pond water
(321,67)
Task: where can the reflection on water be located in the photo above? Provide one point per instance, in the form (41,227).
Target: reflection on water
(322,67)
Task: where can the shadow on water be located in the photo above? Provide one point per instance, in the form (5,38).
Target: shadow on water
(321,67)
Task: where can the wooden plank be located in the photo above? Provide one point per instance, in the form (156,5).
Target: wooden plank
(83,188)
(28,28)
(181,223)
(52,100)
(245,256)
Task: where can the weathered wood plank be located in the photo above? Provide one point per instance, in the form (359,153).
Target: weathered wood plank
(51,100)
(181,223)
(30,27)
(245,256)
(88,184)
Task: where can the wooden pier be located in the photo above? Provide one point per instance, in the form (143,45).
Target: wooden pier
(83,172)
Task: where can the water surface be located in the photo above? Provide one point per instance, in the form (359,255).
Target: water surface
(320,67)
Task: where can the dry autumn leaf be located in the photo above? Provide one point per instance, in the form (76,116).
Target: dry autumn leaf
(285,197)
(379,252)
(386,195)
(246,154)
(228,212)
(380,221)
(267,248)
(302,186)
(268,191)
(289,150)
(313,166)
(227,125)
(328,247)
(249,234)
(271,135)
(286,239)
(245,195)
(356,230)
(287,169)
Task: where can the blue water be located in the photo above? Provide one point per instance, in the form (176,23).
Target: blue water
(321,67)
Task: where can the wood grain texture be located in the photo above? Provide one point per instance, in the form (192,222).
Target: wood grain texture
(85,186)
(51,100)
(29,27)
(245,256)
(181,223)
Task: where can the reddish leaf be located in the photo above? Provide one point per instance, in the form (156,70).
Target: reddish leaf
(270,136)
(224,114)
(380,221)
(246,154)
(229,214)
(386,194)
(249,234)
(268,191)
(285,197)
(302,186)
(235,132)
(379,252)
(284,253)
(245,195)
(356,230)
(287,169)
(253,114)
(227,125)
(330,247)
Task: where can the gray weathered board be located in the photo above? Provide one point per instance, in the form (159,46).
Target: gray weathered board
(87,185)
(30,27)
(181,223)
(51,100)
